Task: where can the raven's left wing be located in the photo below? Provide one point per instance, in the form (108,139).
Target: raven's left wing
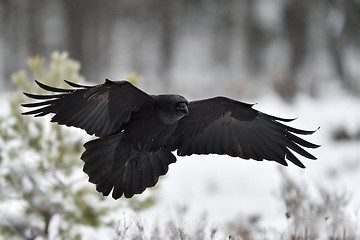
(101,110)
(225,126)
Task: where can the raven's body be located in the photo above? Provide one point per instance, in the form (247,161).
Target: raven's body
(137,132)
(157,132)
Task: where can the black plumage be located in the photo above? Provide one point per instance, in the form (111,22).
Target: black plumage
(137,132)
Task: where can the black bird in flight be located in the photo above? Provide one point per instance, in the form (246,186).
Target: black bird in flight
(137,132)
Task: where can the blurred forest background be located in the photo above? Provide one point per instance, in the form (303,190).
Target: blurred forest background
(197,48)
(289,45)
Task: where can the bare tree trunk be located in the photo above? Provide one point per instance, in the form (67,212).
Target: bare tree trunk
(90,27)
(14,36)
(34,37)
(167,41)
(254,37)
(296,31)
(223,33)
(347,36)
(74,10)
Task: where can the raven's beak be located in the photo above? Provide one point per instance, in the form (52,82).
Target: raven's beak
(182,107)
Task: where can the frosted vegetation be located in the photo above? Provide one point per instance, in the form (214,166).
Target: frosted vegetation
(45,195)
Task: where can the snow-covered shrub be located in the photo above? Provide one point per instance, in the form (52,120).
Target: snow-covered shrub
(44,193)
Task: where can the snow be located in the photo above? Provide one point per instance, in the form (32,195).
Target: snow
(225,188)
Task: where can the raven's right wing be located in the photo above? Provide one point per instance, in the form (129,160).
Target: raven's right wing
(101,110)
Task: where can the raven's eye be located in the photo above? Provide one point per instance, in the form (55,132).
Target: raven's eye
(182,107)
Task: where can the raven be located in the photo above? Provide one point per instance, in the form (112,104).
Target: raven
(137,132)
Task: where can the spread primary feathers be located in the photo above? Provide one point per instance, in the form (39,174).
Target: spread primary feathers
(137,132)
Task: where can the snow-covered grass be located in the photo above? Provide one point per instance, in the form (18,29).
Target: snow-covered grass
(229,189)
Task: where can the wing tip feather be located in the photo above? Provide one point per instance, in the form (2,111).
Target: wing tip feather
(51,89)
(75,85)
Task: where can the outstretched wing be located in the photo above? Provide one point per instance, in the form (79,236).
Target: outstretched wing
(101,110)
(225,126)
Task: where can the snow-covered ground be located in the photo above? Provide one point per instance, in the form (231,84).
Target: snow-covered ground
(225,187)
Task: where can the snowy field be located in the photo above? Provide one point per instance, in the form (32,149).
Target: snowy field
(225,188)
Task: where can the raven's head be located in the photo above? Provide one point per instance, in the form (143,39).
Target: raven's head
(171,108)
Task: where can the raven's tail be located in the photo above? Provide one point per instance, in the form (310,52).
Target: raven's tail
(111,164)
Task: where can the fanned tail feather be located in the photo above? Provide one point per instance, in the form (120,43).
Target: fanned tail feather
(115,166)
